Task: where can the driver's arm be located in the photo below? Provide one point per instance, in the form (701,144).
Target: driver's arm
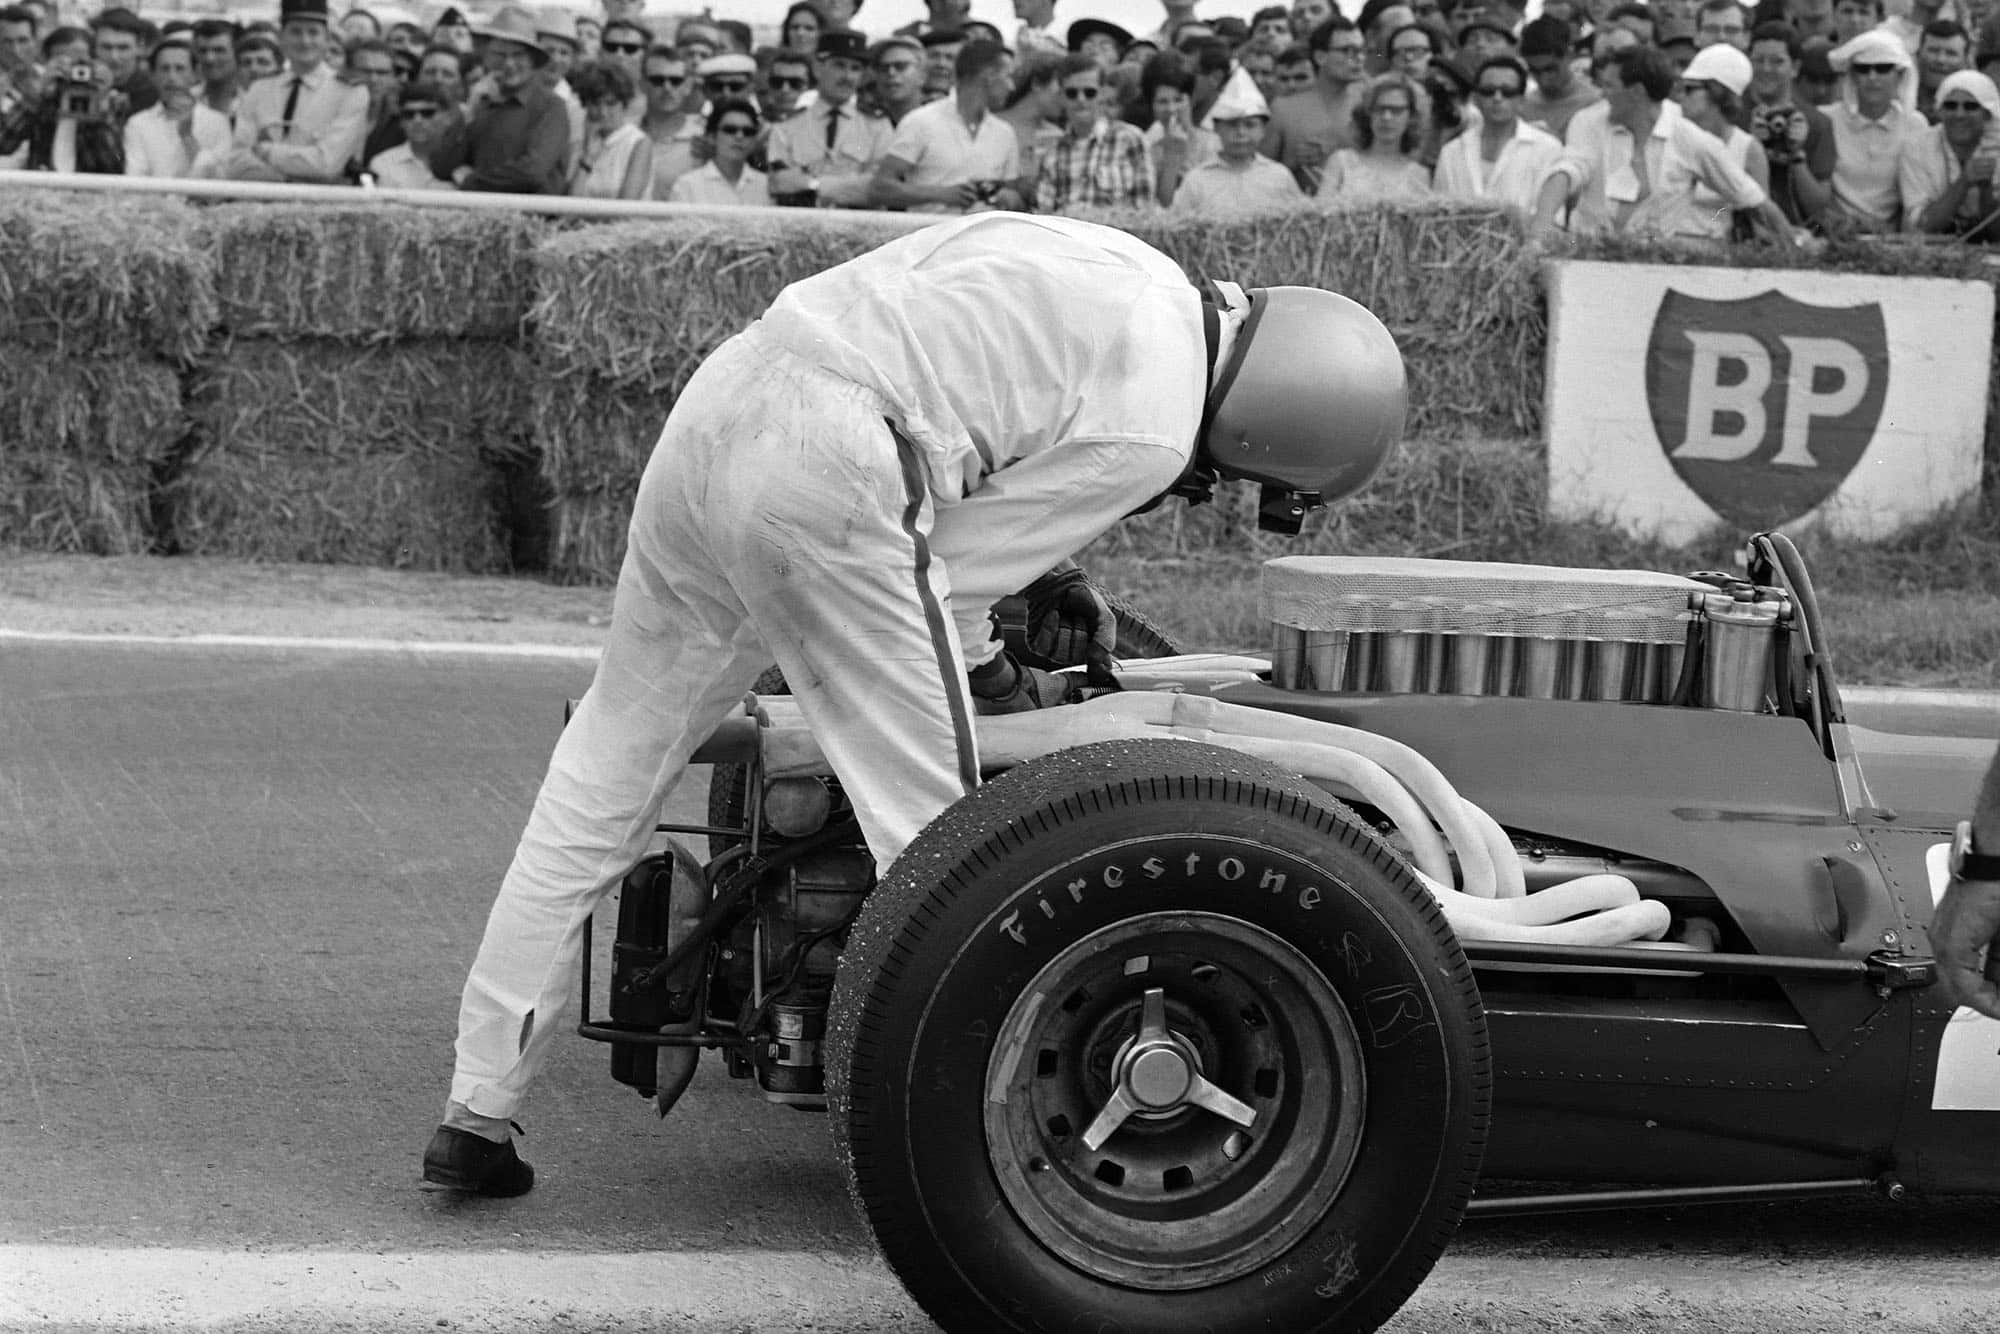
(1968,919)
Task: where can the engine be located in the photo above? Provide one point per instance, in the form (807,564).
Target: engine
(1397,626)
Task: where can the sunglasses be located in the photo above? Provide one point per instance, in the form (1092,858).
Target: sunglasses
(797,85)
(1080,94)
(1860,68)
(666,80)
(1497,90)
(1962,108)
(729,87)
(737,130)
(622,48)
(418,113)
(1423,50)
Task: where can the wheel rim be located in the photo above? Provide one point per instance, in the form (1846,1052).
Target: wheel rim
(1118,1087)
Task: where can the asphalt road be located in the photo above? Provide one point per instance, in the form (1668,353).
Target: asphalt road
(239,889)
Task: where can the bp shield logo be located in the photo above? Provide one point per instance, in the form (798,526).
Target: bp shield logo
(1765,404)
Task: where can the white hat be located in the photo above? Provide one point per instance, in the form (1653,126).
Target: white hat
(1970,81)
(729,62)
(1874,47)
(1239,99)
(1721,63)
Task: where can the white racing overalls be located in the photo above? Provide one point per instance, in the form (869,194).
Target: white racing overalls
(1044,377)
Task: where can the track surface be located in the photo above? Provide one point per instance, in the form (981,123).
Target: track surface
(239,888)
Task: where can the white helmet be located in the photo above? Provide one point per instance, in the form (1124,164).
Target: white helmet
(1311,400)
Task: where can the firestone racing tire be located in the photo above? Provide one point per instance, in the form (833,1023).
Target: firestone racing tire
(1150,1036)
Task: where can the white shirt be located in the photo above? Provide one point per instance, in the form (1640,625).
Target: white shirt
(1597,158)
(996,338)
(605,176)
(1216,188)
(1514,178)
(707,185)
(154,147)
(943,150)
(1864,158)
(400,168)
(328,126)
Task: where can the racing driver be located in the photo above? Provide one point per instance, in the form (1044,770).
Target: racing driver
(846,488)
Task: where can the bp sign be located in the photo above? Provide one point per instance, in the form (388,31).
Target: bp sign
(1682,399)
(1765,405)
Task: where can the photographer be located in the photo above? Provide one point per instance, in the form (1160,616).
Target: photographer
(67,119)
(1797,139)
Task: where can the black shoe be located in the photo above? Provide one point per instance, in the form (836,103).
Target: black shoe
(461,1160)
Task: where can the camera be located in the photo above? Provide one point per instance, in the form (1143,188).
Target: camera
(1775,127)
(79,95)
(987,191)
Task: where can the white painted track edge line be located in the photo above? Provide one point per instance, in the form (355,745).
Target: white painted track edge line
(462,648)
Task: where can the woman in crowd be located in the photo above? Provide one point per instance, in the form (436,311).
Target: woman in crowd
(445,67)
(258,56)
(617,156)
(801,29)
(589,37)
(1383,164)
(1711,95)
(1176,144)
(727,178)
(1946,181)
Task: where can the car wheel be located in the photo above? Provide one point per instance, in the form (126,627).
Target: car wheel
(1138,637)
(1152,1036)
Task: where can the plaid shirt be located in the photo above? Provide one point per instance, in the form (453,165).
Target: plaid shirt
(1111,168)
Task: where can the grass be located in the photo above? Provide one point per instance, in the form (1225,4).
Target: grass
(1922,611)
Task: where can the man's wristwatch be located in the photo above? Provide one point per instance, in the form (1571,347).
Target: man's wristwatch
(1968,862)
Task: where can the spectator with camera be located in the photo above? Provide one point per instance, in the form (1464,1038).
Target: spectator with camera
(306,124)
(1100,161)
(1796,137)
(1945,175)
(179,135)
(1503,156)
(956,155)
(67,120)
(424,110)
(119,41)
(827,153)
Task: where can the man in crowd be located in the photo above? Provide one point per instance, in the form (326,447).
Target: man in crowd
(1722,21)
(956,154)
(672,99)
(1796,136)
(1306,17)
(177,136)
(625,43)
(1943,50)
(215,62)
(827,154)
(305,125)
(940,16)
(1102,41)
(424,110)
(697,40)
(1035,36)
(372,65)
(1547,50)
(1599,175)
(1871,122)
(119,40)
(20,45)
(1239,179)
(1307,127)
(1910,24)
(516,133)
(1270,30)
(1480,41)
(1504,156)
(1851,18)
(941,48)
(899,78)
(1100,161)
(1295,70)
(786,79)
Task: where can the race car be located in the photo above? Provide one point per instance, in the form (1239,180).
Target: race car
(1216,1005)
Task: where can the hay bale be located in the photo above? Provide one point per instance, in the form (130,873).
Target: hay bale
(594,437)
(392,455)
(80,440)
(641,303)
(372,273)
(94,275)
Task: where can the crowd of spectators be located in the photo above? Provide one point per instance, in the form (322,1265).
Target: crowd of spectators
(1702,118)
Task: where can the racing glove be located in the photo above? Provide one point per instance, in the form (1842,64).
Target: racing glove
(1071,621)
(1005,686)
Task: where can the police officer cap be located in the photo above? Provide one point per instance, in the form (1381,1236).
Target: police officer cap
(842,44)
(943,37)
